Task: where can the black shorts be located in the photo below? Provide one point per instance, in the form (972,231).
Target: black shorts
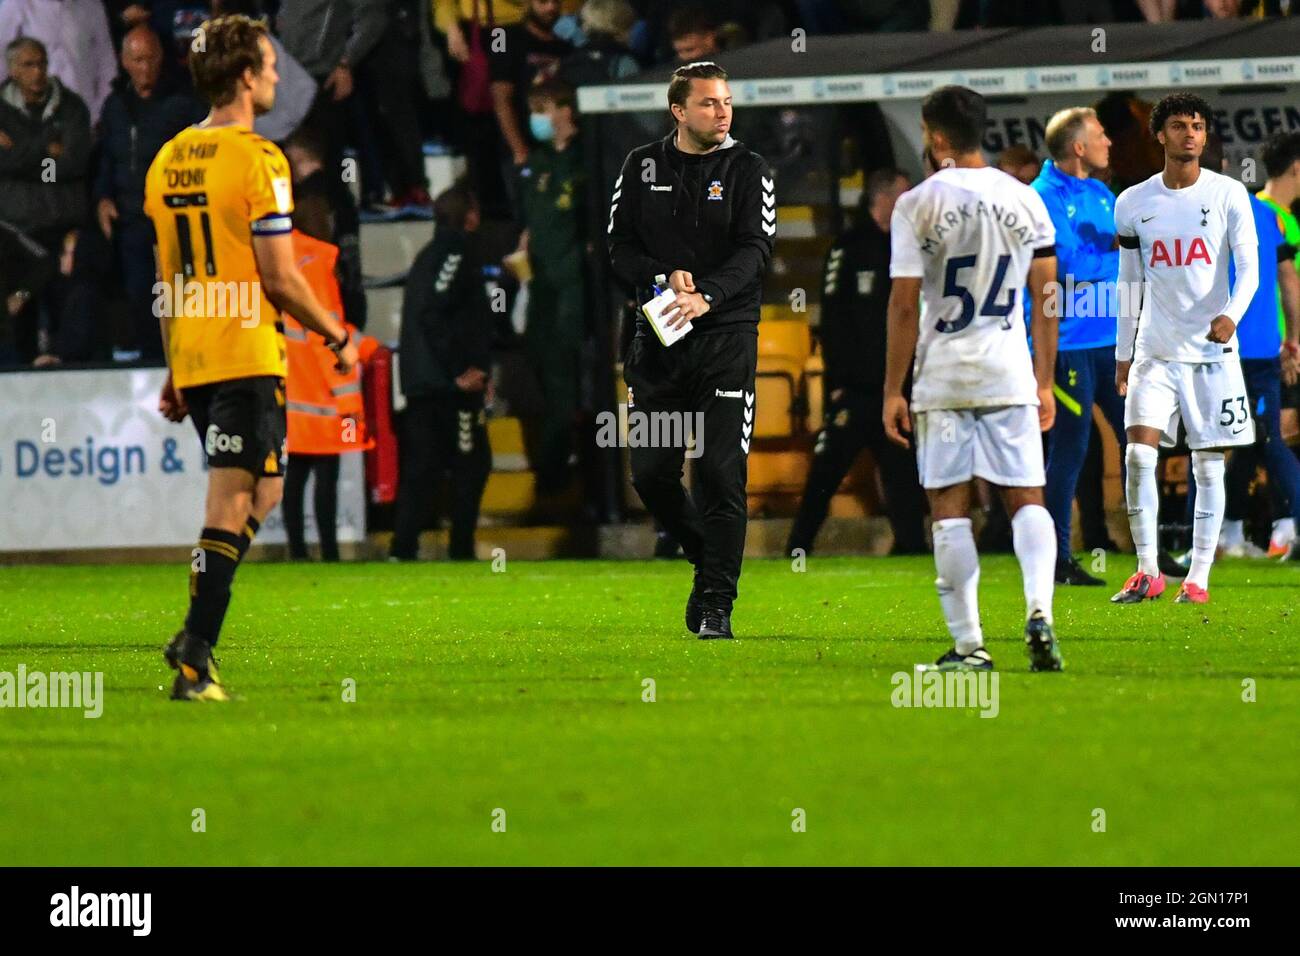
(241,423)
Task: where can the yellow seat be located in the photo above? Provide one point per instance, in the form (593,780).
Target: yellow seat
(776,392)
(785,337)
(777,472)
(509,493)
(506,439)
(796,221)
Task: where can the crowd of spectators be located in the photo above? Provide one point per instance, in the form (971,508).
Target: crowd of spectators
(93,87)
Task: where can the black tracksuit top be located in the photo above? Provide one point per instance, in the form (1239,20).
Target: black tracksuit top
(713,215)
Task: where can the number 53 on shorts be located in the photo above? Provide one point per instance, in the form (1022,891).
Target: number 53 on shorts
(1209,398)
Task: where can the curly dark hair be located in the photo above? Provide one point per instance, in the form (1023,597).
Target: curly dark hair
(1179,104)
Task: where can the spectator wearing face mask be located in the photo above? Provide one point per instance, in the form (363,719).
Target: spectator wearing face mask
(551,192)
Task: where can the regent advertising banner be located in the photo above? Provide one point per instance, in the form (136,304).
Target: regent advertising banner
(1243,118)
(86,461)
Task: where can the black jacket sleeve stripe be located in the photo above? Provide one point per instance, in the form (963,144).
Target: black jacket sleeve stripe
(627,253)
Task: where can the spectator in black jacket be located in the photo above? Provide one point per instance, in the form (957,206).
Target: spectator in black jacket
(140,115)
(855,296)
(444,361)
(44,163)
(27,268)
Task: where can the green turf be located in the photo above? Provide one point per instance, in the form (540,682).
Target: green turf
(523,690)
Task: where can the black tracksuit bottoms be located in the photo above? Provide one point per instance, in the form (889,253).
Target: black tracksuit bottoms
(441,434)
(706,378)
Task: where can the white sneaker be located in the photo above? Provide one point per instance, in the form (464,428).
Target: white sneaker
(1243,549)
(1283,534)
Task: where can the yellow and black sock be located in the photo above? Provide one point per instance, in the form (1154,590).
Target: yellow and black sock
(211,572)
(251,528)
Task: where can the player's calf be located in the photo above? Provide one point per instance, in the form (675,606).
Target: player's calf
(1208,466)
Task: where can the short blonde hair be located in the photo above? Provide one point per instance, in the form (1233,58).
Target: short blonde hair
(1065,127)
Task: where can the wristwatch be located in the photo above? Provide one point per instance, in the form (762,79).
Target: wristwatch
(337,347)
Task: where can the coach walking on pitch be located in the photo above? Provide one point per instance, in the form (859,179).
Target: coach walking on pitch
(698,209)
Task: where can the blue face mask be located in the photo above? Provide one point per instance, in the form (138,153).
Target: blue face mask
(542,128)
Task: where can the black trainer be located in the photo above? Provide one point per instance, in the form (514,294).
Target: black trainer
(694,610)
(175,648)
(172,652)
(197,677)
(976,660)
(715,624)
(1070,571)
(1040,642)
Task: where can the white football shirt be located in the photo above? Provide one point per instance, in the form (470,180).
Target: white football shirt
(1185,237)
(969,235)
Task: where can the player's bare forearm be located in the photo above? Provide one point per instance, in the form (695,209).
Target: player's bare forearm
(164,320)
(288,289)
(1289,282)
(904,322)
(292,293)
(1043,325)
(1121,376)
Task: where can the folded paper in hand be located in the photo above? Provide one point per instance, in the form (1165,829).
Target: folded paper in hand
(660,311)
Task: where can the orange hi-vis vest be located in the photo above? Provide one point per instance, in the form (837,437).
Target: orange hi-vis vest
(325,410)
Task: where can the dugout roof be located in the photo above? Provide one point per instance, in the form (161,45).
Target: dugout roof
(881,66)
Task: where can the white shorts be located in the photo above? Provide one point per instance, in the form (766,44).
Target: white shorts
(1209,397)
(1002,445)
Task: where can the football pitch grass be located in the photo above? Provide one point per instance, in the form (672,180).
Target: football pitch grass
(518,697)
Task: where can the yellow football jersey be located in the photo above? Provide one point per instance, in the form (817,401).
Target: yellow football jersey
(209,191)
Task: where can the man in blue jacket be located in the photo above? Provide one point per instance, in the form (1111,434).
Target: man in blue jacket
(1083,212)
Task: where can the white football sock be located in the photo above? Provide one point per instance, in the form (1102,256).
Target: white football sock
(1033,535)
(958,564)
(1210,501)
(1232,534)
(1143,504)
(1283,532)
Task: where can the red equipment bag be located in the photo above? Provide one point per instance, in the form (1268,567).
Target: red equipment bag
(381,459)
